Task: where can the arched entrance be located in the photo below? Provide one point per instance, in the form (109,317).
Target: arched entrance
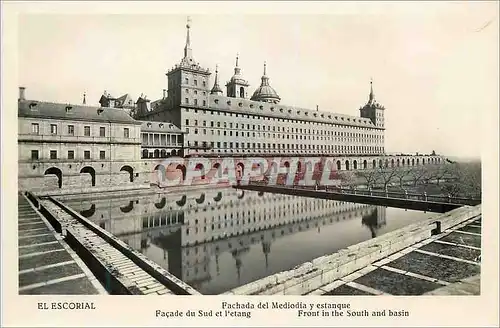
(57,172)
(130,171)
(240,169)
(91,171)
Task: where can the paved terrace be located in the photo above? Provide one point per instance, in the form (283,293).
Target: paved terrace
(119,268)
(445,264)
(440,255)
(47,265)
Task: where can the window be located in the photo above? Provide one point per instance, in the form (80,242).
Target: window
(53,129)
(186,100)
(86,131)
(187,122)
(86,154)
(102,131)
(195,82)
(34,154)
(53,154)
(102,154)
(204,102)
(126,133)
(71,130)
(196,101)
(35,128)
(71,154)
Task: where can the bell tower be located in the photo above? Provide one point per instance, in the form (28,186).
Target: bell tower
(188,81)
(373,110)
(237,87)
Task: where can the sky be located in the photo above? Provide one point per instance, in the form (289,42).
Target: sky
(434,66)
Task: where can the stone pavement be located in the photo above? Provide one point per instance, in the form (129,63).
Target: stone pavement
(47,265)
(469,286)
(445,264)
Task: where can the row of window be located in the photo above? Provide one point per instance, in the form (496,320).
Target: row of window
(257,145)
(195,102)
(71,154)
(340,207)
(282,129)
(196,92)
(285,120)
(35,129)
(280,136)
(156,139)
(195,82)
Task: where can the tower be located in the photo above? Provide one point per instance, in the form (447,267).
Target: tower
(187,81)
(373,110)
(237,86)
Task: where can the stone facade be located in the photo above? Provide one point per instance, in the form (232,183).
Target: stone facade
(236,124)
(67,148)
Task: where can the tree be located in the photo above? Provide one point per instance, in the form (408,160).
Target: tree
(417,173)
(463,180)
(347,179)
(386,174)
(402,173)
(370,176)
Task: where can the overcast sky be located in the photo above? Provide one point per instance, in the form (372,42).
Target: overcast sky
(434,66)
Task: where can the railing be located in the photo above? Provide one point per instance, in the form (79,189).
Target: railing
(385,194)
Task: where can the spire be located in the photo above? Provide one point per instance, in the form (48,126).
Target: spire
(237,69)
(84,100)
(264,78)
(187,49)
(371,96)
(216,89)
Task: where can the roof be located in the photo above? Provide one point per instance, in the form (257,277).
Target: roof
(41,109)
(125,101)
(265,92)
(251,107)
(152,126)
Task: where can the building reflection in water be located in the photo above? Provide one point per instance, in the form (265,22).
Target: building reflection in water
(216,240)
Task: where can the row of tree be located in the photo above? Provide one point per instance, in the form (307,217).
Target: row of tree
(455,179)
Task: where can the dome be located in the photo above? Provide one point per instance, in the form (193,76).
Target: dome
(265,92)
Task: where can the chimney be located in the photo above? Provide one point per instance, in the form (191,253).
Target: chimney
(317,108)
(21,93)
(164,93)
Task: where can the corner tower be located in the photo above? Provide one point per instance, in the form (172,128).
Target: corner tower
(237,86)
(373,110)
(188,81)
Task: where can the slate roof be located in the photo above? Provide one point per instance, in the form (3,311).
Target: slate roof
(41,109)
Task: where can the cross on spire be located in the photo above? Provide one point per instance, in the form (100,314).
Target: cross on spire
(187,48)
